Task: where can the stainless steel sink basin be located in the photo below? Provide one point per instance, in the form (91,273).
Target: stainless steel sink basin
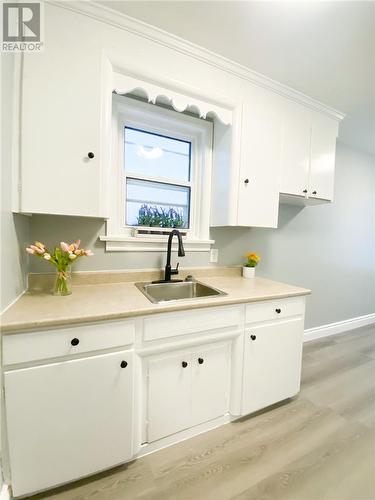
(165,292)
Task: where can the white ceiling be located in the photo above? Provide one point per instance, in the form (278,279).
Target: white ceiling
(325,49)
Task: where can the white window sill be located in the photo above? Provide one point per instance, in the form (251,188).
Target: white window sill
(152,244)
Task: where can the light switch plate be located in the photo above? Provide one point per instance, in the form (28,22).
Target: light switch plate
(214,255)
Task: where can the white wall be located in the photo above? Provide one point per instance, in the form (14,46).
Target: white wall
(14,228)
(329,248)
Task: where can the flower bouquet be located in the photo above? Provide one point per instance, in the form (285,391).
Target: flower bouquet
(62,258)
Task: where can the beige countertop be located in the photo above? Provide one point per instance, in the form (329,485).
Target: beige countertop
(104,301)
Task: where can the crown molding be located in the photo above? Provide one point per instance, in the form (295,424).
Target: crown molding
(114,18)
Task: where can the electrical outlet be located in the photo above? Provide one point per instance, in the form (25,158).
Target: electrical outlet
(214,255)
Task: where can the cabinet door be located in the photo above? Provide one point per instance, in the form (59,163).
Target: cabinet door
(272,363)
(323,152)
(69,419)
(61,113)
(296,149)
(168,395)
(210,382)
(258,191)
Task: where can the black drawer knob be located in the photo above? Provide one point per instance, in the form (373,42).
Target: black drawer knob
(184,364)
(124,364)
(74,342)
(278,310)
(200,361)
(91,155)
(314,192)
(253,337)
(304,191)
(246,181)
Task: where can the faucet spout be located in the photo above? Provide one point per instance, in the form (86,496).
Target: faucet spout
(181,253)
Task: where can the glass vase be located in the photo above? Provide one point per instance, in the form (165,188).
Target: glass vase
(63,282)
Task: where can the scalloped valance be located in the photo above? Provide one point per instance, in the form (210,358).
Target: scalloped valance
(123,84)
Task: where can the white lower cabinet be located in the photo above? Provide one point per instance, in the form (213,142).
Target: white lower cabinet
(80,409)
(210,382)
(186,388)
(68,419)
(169,394)
(272,363)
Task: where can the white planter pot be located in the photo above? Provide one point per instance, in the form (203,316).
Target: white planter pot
(248,272)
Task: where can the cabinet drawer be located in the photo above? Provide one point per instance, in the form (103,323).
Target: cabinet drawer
(274,309)
(26,347)
(184,322)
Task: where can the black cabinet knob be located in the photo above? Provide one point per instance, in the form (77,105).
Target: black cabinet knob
(304,191)
(278,310)
(314,192)
(184,364)
(91,155)
(246,181)
(124,364)
(200,361)
(253,337)
(74,342)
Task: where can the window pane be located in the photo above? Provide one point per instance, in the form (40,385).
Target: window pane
(156,155)
(156,204)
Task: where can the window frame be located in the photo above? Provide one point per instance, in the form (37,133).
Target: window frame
(130,112)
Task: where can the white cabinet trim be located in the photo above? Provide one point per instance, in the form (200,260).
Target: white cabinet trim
(123,84)
(114,18)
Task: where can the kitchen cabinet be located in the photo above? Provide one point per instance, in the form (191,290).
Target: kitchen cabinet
(186,388)
(60,140)
(210,382)
(68,419)
(246,174)
(169,394)
(324,132)
(308,154)
(272,362)
(81,399)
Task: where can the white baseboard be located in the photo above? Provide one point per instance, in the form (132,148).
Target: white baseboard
(339,327)
(4,493)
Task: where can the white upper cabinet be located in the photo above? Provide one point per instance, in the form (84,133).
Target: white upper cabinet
(261,128)
(60,125)
(258,187)
(324,132)
(296,149)
(308,157)
(246,178)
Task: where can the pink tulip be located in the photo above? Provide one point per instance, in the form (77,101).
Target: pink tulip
(64,246)
(37,249)
(30,251)
(76,244)
(88,253)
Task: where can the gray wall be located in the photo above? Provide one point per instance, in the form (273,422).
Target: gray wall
(329,248)
(14,228)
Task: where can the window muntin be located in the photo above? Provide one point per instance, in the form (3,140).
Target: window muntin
(156,155)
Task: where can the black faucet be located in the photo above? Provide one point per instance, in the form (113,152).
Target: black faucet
(181,253)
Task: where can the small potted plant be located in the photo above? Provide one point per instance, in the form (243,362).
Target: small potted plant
(248,269)
(62,258)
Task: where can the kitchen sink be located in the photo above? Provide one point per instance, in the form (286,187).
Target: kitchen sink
(165,292)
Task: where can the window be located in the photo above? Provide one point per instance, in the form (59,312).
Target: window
(158,180)
(161,177)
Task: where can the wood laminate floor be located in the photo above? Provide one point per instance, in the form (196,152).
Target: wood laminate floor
(318,446)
